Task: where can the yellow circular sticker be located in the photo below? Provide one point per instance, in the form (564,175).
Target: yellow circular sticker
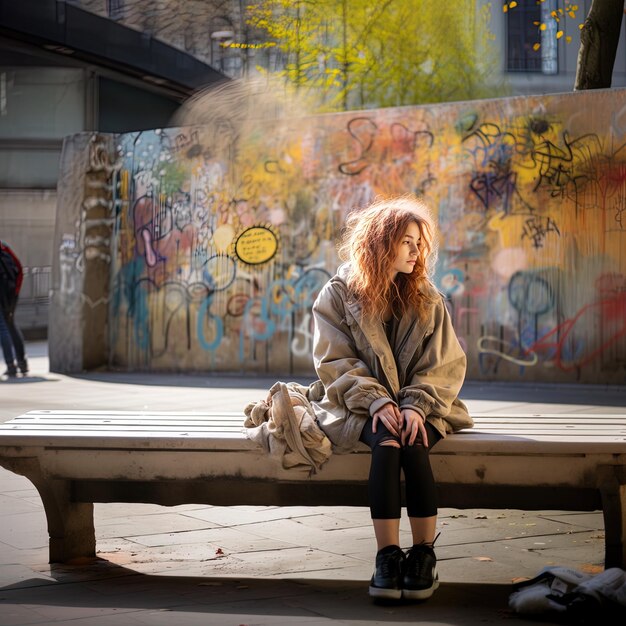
(256,245)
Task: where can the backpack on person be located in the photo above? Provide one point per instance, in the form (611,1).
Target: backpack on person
(11,274)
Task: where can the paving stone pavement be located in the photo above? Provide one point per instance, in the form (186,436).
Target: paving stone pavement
(195,564)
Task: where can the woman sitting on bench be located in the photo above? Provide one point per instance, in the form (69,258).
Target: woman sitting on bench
(392,368)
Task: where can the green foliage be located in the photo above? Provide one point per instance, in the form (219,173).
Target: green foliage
(359,54)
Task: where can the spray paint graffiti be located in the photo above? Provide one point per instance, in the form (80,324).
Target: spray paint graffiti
(222,239)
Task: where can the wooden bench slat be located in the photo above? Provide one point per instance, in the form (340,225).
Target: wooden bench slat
(217,420)
(98,416)
(126,425)
(138,430)
(523,428)
(128,429)
(113,413)
(239,416)
(165,422)
(106,424)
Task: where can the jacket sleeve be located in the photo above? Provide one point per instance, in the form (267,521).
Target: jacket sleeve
(437,371)
(347,379)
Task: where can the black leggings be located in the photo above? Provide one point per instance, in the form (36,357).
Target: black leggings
(384,479)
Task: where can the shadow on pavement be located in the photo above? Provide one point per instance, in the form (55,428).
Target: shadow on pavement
(109,586)
(557,393)
(201,380)
(29,379)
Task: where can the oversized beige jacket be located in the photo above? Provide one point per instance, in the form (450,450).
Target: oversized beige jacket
(424,369)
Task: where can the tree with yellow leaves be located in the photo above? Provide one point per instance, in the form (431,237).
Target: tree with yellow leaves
(360,54)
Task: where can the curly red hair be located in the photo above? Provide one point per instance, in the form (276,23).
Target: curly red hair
(370,242)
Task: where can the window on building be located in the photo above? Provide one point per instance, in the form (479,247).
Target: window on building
(115,9)
(223,56)
(522,35)
(38,107)
(530,49)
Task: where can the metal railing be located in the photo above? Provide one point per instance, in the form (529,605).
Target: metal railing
(32,307)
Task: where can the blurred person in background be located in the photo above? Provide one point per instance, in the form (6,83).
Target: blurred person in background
(11,339)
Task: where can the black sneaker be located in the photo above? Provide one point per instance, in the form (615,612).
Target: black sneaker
(23,366)
(420,573)
(387,579)
(11,371)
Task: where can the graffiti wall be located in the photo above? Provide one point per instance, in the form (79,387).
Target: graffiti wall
(222,239)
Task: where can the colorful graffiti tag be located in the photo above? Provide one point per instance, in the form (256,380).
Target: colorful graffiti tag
(223,240)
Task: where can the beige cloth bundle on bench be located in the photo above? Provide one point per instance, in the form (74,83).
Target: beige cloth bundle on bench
(284,425)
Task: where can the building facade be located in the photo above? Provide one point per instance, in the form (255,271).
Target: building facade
(64,70)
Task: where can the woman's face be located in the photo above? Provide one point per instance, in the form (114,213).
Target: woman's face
(407,251)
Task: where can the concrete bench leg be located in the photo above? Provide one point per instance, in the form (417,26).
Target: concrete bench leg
(613,490)
(70,524)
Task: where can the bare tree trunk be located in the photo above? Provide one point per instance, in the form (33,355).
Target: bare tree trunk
(598,44)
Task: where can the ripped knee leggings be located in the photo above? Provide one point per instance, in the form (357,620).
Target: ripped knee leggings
(384,486)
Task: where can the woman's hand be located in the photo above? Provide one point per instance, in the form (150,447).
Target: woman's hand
(414,424)
(390,417)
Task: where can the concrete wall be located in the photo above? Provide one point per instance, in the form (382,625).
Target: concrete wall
(78,321)
(222,238)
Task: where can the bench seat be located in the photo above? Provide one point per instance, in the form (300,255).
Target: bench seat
(531,462)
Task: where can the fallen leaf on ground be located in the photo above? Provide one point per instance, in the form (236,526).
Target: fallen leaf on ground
(480,517)
(219,551)
(483,558)
(591,569)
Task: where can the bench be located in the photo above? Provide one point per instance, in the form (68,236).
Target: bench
(530,462)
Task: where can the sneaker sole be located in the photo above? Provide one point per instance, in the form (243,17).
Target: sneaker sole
(390,594)
(420,594)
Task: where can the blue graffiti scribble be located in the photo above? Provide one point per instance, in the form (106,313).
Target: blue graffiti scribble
(203,312)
